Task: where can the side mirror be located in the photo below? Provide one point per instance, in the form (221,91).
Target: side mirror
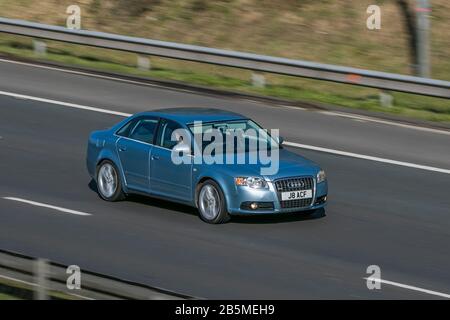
(280,140)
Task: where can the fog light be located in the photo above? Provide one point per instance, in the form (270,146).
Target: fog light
(321,200)
(254,206)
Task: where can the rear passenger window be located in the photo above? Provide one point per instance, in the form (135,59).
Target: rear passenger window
(144,130)
(125,130)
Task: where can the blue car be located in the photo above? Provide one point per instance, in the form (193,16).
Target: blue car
(140,155)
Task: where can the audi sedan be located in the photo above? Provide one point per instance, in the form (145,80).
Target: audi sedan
(220,162)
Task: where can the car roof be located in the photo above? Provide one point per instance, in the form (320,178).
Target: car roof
(189,115)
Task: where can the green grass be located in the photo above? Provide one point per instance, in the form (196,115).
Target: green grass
(325,31)
(4,296)
(285,87)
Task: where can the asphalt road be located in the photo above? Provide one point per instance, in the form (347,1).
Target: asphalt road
(379,213)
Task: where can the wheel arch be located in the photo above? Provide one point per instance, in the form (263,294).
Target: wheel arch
(107,156)
(225,188)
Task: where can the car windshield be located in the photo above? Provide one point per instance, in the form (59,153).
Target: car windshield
(233,136)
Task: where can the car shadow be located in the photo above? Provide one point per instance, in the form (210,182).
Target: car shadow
(279,217)
(152,201)
(162,204)
(250,219)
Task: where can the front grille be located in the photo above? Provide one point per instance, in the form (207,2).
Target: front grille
(294,184)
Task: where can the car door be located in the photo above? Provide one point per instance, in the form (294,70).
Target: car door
(134,147)
(167,178)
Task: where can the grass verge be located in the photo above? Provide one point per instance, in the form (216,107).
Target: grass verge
(4,296)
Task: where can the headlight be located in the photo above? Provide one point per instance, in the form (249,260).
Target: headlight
(321,176)
(252,182)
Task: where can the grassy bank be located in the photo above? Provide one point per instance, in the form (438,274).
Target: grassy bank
(4,296)
(327,31)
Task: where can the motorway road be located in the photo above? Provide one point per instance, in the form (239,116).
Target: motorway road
(393,216)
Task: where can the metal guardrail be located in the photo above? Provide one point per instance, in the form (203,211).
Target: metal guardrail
(43,279)
(299,68)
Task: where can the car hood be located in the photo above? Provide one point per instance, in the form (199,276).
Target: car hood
(290,165)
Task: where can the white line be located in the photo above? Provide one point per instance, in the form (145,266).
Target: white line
(38,204)
(405,286)
(35,285)
(65,104)
(99,76)
(331,113)
(371,158)
(82,73)
(18,280)
(370,119)
(294,108)
(293,144)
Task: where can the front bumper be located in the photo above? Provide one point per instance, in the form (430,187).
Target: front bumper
(246,195)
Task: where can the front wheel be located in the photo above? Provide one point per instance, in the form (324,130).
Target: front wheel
(211,203)
(109,186)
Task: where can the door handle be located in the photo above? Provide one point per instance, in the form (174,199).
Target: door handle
(155,157)
(122,148)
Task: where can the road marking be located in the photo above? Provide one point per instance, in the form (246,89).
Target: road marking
(65,104)
(293,144)
(370,119)
(141,83)
(35,285)
(362,156)
(84,73)
(294,108)
(18,280)
(405,286)
(99,76)
(331,113)
(39,204)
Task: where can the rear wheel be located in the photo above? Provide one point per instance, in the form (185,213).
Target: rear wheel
(109,186)
(211,203)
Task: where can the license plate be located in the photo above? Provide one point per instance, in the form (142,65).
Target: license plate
(299,194)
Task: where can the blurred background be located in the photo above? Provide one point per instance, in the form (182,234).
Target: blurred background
(327,31)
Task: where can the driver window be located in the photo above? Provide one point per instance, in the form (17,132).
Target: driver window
(165,134)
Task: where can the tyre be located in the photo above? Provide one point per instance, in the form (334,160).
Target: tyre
(211,203)
(109,186)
